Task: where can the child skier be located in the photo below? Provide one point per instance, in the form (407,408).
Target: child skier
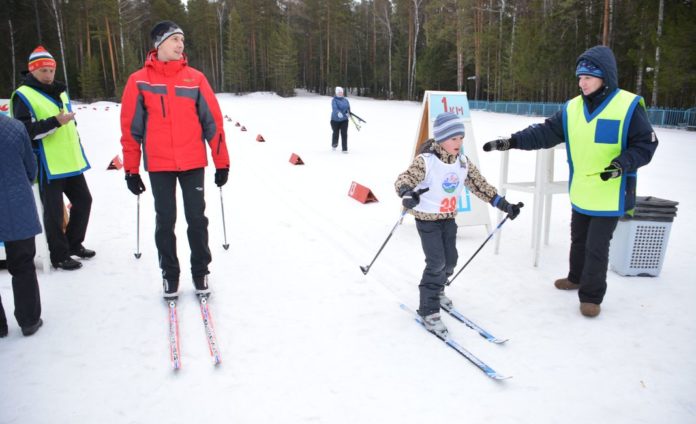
(441,167)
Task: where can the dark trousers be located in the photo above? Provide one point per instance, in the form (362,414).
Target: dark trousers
(589,254)
(164,191)
(341,126)
(60,244)
(439,241)
(25,287)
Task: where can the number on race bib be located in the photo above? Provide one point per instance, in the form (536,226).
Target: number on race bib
(448,205)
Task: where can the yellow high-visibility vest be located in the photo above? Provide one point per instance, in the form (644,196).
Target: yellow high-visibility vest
(60,152)
(593,141)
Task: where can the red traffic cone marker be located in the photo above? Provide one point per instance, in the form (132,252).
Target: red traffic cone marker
(115,163)
(361,193)
(296,159)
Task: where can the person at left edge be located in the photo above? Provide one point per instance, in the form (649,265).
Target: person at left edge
(44,108)
(168,110)
(19,223)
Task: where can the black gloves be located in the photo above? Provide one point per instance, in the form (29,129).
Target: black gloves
(221,175)
(499,144)
(508,208)
(611,171)
(135,183)
(411,198)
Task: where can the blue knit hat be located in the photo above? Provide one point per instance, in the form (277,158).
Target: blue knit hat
(446,126)
(586,67)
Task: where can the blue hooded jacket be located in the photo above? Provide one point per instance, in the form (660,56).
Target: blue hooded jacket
(339,105)
(18,217)
(641,140)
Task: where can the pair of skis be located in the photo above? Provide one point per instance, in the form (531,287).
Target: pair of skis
(357,126)
(490,372)
(174,344)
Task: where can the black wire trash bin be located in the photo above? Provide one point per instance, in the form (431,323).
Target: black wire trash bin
(640,241)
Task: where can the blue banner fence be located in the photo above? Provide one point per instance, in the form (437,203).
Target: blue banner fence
(676,118)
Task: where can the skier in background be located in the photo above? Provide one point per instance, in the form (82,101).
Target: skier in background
(340,112)
(608,137)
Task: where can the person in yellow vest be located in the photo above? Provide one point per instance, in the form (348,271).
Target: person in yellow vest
(44,108)
(608,137)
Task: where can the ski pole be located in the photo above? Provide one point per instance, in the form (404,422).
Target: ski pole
(359,118)
(224,229)
(481,247)
(137,253)
(366,269)
(357,126)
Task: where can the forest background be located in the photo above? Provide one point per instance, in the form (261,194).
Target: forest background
(496,50)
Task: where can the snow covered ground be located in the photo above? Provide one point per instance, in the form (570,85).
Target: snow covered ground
(306,337)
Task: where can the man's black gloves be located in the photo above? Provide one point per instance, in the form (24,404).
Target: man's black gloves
(135,183)
(499,144)
(611,171)
(221,175)
(411,198)
(508,208)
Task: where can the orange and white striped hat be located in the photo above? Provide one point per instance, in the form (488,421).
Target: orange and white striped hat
(41,58)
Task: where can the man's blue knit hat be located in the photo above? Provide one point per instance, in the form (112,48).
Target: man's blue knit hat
(586,67)
(446,126)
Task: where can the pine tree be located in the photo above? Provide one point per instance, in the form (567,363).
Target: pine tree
(90,80)
(283,61)
(236,56)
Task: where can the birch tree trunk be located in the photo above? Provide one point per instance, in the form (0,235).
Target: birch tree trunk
(221,20)
(499,73)
(121,7)
(374,48)
(386,21)
(641,58)
(416,28)
(12,48)
(512,51)
(59,28)
(478,30)
(660,18)
(460,48)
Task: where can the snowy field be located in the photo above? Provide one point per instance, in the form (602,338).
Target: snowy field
(306,337)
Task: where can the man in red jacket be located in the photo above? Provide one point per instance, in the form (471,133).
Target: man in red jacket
(168,112)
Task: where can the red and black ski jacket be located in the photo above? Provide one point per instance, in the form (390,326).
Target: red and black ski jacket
(168,112)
